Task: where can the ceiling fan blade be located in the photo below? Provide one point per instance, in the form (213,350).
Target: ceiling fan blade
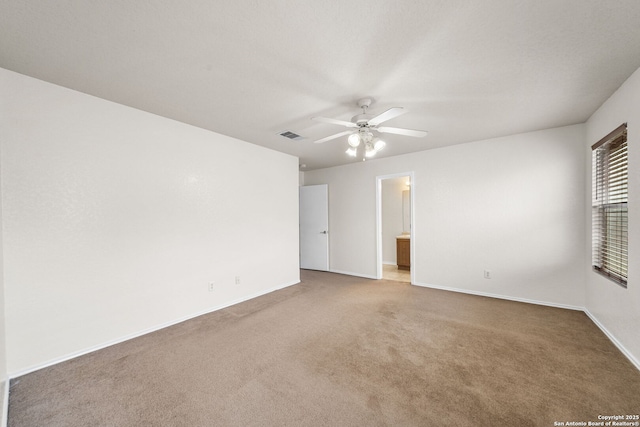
(399,131)
(387,115)
(337,135)
(334,122)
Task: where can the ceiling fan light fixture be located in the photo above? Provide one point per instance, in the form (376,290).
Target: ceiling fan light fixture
(362,126)
(351,151)
(366,136)
(369,151)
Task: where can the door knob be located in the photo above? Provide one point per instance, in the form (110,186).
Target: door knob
(323,232)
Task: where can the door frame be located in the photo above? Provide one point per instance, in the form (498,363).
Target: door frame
(412,234)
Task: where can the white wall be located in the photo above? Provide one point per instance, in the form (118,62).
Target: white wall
(115,220)
(392,219)
(3,348)
(618,309)
(513,205)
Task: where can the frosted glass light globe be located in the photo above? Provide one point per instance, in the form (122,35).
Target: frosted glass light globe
(354,140)
(369,151)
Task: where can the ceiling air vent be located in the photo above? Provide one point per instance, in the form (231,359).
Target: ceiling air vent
(291,135)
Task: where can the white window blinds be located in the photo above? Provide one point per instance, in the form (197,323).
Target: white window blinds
(609,206)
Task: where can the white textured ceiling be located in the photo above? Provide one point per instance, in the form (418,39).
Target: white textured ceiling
(465,70)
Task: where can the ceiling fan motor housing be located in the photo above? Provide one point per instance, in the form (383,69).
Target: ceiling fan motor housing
(361,119)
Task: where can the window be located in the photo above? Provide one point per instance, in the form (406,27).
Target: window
(609,206)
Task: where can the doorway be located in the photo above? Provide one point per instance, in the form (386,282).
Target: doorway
(395,227)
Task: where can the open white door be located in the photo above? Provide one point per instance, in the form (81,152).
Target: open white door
(314,227)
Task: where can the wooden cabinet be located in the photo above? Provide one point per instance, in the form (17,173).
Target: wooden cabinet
(403,253)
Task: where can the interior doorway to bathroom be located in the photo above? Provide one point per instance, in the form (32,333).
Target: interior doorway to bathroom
(395,227)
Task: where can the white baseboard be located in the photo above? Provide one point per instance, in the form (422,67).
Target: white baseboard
(70,356)
(350,273)
(505,297)
(5,403)
(613,339)
(143,332)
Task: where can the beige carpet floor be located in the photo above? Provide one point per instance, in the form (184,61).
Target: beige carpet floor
(343,351)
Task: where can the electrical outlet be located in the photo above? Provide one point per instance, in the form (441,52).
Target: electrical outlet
(237,280)
(487,274)
(211,286)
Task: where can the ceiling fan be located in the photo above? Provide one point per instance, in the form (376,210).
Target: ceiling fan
(362,127)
